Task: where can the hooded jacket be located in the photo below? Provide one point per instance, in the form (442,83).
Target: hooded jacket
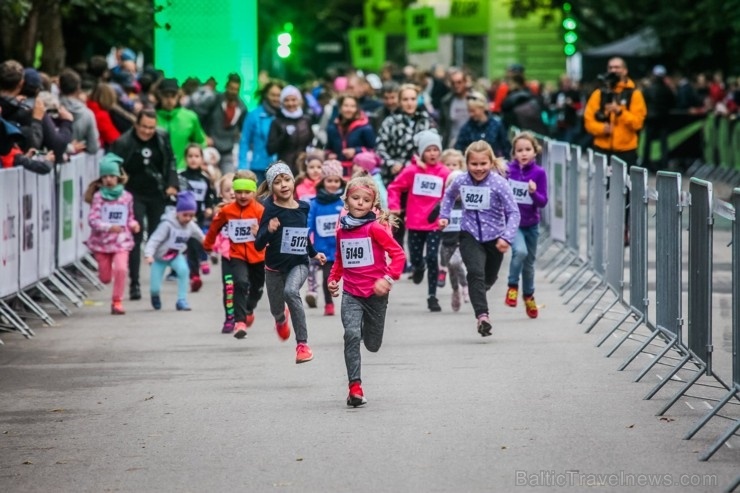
(289,137)
(105,214)
(171,238)
(498,215)
(359,136)
(224,134)
(322,221)
(388,258)
(184,128)
(624,127)
(84,128)
(529,203)
(425,188)
(232,217)
(255,132)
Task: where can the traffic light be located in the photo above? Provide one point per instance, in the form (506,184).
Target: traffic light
(284,39)
(570,36)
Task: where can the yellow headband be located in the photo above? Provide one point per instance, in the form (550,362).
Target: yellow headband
(244,185)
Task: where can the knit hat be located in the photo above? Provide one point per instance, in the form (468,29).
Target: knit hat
(427,138)
(368,161)
(32,78)
(110,165)
(332,167)
(186,202)
(289,91)
(275,169)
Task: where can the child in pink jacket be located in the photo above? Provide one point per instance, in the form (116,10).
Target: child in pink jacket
(424,181)
(112,225)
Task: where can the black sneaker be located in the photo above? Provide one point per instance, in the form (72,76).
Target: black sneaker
(484,327)
(134,292)
(417,276)
(433,304)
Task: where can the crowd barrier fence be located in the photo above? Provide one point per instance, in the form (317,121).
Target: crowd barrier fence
(43,258)
(590,251)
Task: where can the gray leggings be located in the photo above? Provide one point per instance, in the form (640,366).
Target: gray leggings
(285,288)
(449,256)
(363,320)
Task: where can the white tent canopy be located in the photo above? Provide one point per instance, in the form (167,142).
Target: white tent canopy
(643,43)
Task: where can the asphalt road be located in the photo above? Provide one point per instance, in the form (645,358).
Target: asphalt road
(162,401)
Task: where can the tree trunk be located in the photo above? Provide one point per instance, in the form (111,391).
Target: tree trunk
(52,39)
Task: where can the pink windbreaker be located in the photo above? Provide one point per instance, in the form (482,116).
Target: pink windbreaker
(103,215)
(425,187)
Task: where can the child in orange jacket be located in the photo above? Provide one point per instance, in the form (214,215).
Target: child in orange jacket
(245,264)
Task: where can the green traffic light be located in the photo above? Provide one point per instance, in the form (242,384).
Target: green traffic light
(566,7)
(569,49)
(570,37)
(284,39)
(288,27)
(569,23)
(283,51)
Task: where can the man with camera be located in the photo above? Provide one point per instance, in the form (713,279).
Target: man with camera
(615,114)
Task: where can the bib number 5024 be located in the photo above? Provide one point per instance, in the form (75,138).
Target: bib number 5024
(474,198)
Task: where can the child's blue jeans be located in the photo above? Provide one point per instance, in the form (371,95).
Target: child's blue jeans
(523,254)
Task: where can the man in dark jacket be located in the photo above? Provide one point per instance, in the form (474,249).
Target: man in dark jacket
(453,110)
(16,109)
(660,100)
(149,162)
(483,126)
(222,117)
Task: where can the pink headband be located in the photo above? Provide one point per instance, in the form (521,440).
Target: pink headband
(362,187)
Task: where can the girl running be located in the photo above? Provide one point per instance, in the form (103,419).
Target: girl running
(488,224)
(283,232)
(529,184)
(370,261)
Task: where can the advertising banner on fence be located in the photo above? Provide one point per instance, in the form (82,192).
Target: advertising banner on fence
(29,254)
(10,186)
(558,156)
(68,213)
(47,224)
(87,172)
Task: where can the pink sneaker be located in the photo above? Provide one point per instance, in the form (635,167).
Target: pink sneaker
(303,353)
(205,267)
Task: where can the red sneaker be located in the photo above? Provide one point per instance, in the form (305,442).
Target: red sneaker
(117,308)
(283,328)
(241,330)
(195,284)
(531,306)
(511,296)
(250,319)
(356,397)
(303,353)
(329,310)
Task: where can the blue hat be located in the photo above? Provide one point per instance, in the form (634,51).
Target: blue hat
(127,54)
(186,202)
(32,78)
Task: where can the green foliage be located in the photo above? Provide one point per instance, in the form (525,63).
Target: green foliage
(112,22)
(16,9)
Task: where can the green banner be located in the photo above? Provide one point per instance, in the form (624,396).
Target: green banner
(469,17)
(367,48)
(68,192)
(422,30)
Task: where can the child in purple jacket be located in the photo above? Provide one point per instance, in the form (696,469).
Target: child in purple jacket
(529,184)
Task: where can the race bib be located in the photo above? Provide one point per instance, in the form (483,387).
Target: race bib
(115,214)
(520,189)
(475,198)
(240,230)
(178,241)
(327,225)
(294,241)
(199,189)
(357,253)
(427,185)
(455,220)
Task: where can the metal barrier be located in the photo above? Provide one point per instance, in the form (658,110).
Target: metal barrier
(42,247)
(685,350)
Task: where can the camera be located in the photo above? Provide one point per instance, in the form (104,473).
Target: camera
(609,83)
